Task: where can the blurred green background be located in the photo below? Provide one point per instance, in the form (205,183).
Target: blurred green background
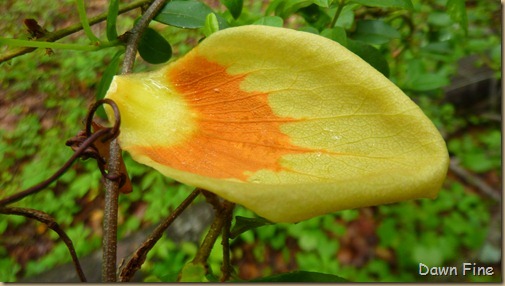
(452,74)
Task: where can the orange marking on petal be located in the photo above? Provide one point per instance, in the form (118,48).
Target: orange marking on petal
(237,133)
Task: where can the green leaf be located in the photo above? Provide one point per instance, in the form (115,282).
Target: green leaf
(316,16)
(193,273)
(243,224)
(322,3)
(375,32)
(186,14)
(426,82)
(301,276)
(337,34)
(234,6)
(111,20)
(457,10)
(104,83)
(370,54)
(272,7)
(285,9)
(309,29)
(274,21)
(211,25)
(404,4)
(153,48)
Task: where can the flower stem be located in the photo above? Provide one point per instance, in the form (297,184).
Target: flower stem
(341,5)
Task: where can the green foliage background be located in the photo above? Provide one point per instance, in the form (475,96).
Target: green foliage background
(43,100)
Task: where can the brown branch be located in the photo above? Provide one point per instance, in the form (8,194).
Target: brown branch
(56,35)
(226,268)
(139,256)
(52,224)
(109,240)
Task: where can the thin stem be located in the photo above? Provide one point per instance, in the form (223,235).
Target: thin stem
(139,256)
(216,227)
(51,37)
(84,21)
(50,45)
(341,5)
(210,239)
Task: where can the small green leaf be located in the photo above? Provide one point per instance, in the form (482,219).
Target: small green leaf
(301,276)
(274,21)
(316,16)
(287,8)
(243,224)
(186,14)
(273,6)
(337,34)
(457,10)
(322,3)
(404,4)
(153,48)
(104,83)
(309,29)
(111,20)
(375,32)
(193,273)
(211,25)
(426,82)
(370,54)
(234,6)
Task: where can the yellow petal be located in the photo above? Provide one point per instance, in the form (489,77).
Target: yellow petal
(289,124)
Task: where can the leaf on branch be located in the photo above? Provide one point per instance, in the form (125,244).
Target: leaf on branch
(186,14)
(243,224)
(211,25)
(234,6)
(375,32)
(154,48)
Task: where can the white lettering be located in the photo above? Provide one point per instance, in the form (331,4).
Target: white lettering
(437,271)
(475,270)
(421,266)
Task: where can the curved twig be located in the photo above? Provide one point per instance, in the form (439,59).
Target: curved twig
(52,224)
